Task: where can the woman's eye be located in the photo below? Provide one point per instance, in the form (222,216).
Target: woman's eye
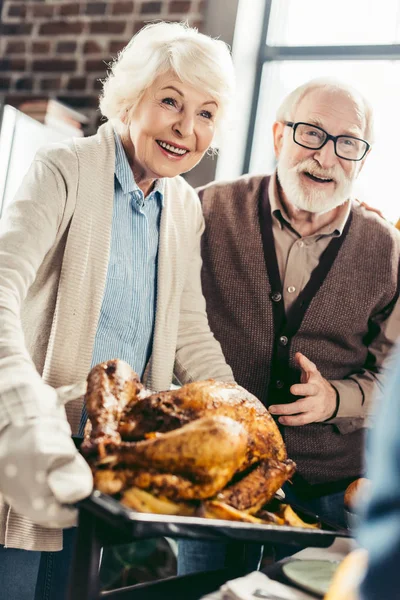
(206,114)
(170,101)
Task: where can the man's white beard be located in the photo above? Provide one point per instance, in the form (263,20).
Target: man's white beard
(310,198)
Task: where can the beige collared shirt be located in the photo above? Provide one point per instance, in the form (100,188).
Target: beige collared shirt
(297,257)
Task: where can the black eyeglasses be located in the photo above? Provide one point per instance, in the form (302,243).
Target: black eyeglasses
(314,138)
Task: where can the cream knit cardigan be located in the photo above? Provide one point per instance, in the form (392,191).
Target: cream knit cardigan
(54,251)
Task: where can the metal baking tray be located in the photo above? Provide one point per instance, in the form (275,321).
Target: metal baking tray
(132,525)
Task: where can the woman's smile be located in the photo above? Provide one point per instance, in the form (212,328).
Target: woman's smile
(172,150)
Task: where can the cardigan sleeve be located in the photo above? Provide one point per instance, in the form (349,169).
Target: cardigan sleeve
(27,231)
(198,354)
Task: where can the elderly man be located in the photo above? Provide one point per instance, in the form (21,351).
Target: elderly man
(302,287)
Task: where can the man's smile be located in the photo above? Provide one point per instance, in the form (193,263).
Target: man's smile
(317,179)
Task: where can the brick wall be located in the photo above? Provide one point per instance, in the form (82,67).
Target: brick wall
(58,48)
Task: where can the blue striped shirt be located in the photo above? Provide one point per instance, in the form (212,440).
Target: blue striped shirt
(126,323)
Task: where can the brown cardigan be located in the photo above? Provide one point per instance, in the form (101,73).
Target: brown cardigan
(331,322)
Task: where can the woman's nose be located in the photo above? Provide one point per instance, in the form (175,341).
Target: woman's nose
(184,126)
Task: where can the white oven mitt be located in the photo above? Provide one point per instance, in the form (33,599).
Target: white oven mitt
(40,469)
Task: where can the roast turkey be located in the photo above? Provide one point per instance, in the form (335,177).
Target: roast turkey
(206,440)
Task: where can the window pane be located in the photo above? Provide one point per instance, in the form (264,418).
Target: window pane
(342,22)
(378,183)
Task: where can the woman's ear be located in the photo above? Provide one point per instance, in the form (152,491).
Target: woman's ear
(277,130)
(124,116)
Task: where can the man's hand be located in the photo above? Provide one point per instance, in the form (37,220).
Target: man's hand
(41,472)
(319,402)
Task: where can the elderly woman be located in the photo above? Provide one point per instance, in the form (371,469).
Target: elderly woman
(99,260)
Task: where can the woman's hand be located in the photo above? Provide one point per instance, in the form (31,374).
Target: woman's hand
(371,208)
(41,471)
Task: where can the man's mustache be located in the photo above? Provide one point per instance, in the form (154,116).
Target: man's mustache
(310,166)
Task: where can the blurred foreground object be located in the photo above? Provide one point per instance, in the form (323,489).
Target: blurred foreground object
(348,576)
(379,530)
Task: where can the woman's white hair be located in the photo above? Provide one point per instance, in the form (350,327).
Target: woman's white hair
(287,109)
(197,59)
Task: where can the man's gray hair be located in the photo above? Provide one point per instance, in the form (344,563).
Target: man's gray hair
(288,107)
(197,59)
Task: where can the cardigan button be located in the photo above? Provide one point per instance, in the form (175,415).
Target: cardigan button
(276,297)
(279,384)
(283,340)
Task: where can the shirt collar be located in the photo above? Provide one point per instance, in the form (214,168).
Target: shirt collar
(123,173)
(277,209)
(279,212)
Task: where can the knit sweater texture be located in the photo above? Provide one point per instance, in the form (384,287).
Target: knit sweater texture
(340,320)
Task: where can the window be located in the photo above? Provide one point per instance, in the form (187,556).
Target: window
(356,41)
(342,22)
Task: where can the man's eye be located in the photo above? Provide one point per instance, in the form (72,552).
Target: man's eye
(206,114)
(314,136)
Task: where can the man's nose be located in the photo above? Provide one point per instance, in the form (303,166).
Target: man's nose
(326,156)
(184,126)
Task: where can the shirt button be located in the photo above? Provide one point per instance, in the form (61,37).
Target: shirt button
(291,289)
(276,297)
(301,244)
(283,340)
(279,384)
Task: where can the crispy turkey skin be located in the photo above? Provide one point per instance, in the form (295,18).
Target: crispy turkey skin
(165,411)
(185,444)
